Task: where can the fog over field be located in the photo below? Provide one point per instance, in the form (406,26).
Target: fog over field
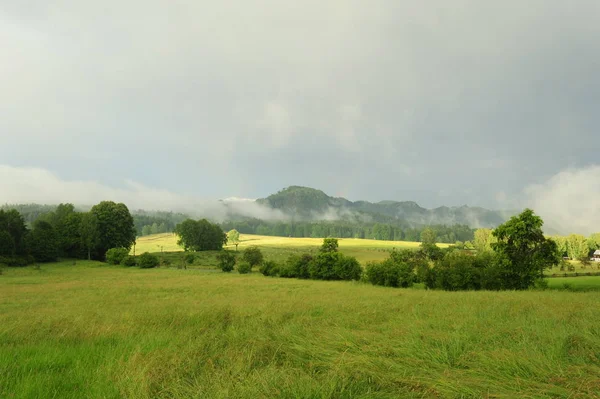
(174,105)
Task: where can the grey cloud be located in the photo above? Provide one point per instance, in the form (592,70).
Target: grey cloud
(444,103)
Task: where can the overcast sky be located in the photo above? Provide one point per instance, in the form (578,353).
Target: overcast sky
(441,102)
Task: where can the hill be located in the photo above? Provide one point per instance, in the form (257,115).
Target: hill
(310,203)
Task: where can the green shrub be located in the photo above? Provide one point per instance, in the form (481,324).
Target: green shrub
(148,261)
(165,262)
(289,268)
(129,261)
(226,260)
(253,256)
(244,267)
(390,273)
(297,266)
(321,268)
(268,268)
(114,256)
(334,266)
(17,261)
(347,268)
(460,270)
(457,271)
(398,270)
(189,258)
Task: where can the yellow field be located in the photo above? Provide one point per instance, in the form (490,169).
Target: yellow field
(363,250)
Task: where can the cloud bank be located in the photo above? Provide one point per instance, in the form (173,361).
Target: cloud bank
(35,185)
(569,201)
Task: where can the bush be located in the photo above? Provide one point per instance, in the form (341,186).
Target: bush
(226,261)
(334,266)
(244,267)
(269,268)
(129,261)
(253,256)
(321,268)
(390,273)
(287,271)
(148,261)
(457,271)
(398,269)
(189,258)
(165,262)
(114,256)
(17,261)
(460,270)
(347,268)
(298,266)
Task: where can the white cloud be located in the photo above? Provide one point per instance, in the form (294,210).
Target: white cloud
(568,201)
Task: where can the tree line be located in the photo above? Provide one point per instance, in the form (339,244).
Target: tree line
(64,232)
(349,229)
(156,222)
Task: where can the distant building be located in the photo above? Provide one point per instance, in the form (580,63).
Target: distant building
(596,256)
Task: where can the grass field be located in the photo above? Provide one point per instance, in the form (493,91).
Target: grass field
(278,248)
(94,331)
(581,283)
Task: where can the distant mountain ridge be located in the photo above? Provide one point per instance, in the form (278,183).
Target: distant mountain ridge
(310,203)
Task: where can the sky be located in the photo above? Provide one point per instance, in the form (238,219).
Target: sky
(488,103)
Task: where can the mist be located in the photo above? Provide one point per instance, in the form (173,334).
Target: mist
(35,185)
(569,201)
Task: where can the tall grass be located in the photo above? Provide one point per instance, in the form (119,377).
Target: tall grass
(95,331)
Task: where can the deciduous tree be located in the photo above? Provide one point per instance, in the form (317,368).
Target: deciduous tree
(527,252)
(114,225)
(233,237)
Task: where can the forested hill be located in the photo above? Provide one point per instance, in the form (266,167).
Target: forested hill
(309,203)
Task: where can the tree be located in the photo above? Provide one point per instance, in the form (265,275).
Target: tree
(594,241)
(114,225)
(253,256)
(329,245)
(200,235)
(233,237)
(577,247)
(146,230)
(43,242)
(428,237)
(226,261)
(13,223)
(66,222)
(561,245)
(154,228)
(88,232)
(483,240)
(162,228)
(7,244)
(524,250)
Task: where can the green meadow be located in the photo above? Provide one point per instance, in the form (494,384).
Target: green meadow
(88,330)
